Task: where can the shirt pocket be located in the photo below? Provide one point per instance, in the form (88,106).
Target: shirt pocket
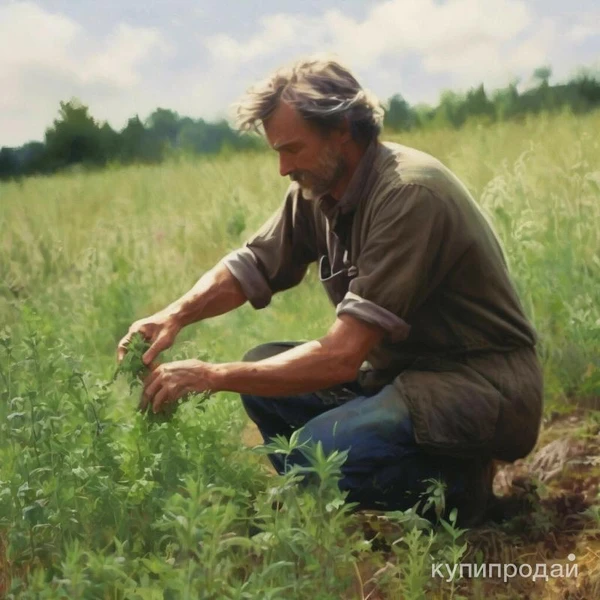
(336,282)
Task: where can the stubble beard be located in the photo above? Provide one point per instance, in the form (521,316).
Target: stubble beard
(332,168)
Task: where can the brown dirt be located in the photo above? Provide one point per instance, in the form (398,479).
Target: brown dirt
(549,508)
(251,436)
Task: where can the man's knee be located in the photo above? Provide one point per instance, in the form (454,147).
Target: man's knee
(255,406)
(323,430)
(267,350)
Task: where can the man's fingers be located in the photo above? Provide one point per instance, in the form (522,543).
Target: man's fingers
(151,353)
(122,347)
(144,400)
(121,351)
(146,381)
(160,397)
(125,341)
(152,384)
(162,342)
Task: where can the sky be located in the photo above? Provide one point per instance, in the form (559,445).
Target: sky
(197,57)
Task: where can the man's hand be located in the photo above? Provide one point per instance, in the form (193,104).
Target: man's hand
(170,381)
(160,330)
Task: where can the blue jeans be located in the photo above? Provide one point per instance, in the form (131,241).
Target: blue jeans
(385,467)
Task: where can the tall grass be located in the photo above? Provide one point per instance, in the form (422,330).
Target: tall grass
(96,251)
(86,486)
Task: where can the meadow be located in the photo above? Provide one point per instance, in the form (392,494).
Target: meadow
(98,502)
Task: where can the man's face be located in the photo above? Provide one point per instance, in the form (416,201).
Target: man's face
(308,156)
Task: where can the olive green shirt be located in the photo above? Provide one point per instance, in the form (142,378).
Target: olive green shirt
(408,249)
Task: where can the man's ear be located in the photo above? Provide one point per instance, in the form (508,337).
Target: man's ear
(341,133)
(345,130)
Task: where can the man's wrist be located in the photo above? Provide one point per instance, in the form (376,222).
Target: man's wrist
(175,314)
(215,377)
(207,376)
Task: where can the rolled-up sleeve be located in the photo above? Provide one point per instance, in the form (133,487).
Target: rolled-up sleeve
(403,260)
(277,256)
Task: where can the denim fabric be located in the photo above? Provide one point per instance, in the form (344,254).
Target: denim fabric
(385,468)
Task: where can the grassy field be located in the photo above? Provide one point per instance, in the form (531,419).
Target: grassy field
(95,502)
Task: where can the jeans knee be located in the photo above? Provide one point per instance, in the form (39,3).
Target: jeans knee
(253,405)
(254,354)
(313,433)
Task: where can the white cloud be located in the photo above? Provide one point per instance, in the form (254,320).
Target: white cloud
(30,35)
(463,42)
(415,47)
(47,57)
(124,51)
(534,51)
(587,26)
(459,37)
(442,34)
(276,31)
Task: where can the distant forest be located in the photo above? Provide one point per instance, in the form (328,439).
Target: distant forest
(77,139)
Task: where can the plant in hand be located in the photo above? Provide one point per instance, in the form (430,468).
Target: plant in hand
(132,365)
(133,368)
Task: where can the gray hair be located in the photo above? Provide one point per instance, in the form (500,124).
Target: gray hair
(322,90)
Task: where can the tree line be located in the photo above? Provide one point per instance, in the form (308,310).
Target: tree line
(77,139)
(581,94)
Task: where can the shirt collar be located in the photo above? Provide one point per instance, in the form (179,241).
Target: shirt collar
(358,186)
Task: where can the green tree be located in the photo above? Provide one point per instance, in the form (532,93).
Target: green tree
(542,75)
(450,110)
(110,142)
(9,166)
(32,158)
(165,125)
(138,144)
(74,138)
(399,115)
(477,104)
(586,90)
(201,137)
(506,101)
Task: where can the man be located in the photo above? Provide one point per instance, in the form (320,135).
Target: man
(429,369)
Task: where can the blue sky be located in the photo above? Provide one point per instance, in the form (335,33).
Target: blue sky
(123,57)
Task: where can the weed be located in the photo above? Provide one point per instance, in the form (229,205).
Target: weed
(132,365)
(97,501)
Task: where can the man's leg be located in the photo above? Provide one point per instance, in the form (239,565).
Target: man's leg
(281,416)
(385,468)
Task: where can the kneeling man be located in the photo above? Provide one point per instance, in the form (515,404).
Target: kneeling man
(429,368)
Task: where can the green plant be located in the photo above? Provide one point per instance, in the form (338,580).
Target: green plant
(93,492)
(132,366)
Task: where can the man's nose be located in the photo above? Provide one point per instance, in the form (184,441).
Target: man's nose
(285,166)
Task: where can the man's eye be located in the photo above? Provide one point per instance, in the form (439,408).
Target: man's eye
(289,150)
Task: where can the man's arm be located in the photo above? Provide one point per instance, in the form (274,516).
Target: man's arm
(274,259)
(215,293)
(320,364)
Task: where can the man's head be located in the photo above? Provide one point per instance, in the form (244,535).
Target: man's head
(319,119)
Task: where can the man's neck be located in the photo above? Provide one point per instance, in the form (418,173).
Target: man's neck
(354,154)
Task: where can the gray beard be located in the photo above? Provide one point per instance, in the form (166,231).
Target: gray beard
(309,193)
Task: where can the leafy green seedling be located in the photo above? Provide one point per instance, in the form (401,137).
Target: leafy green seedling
(132,366)
(134,369)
